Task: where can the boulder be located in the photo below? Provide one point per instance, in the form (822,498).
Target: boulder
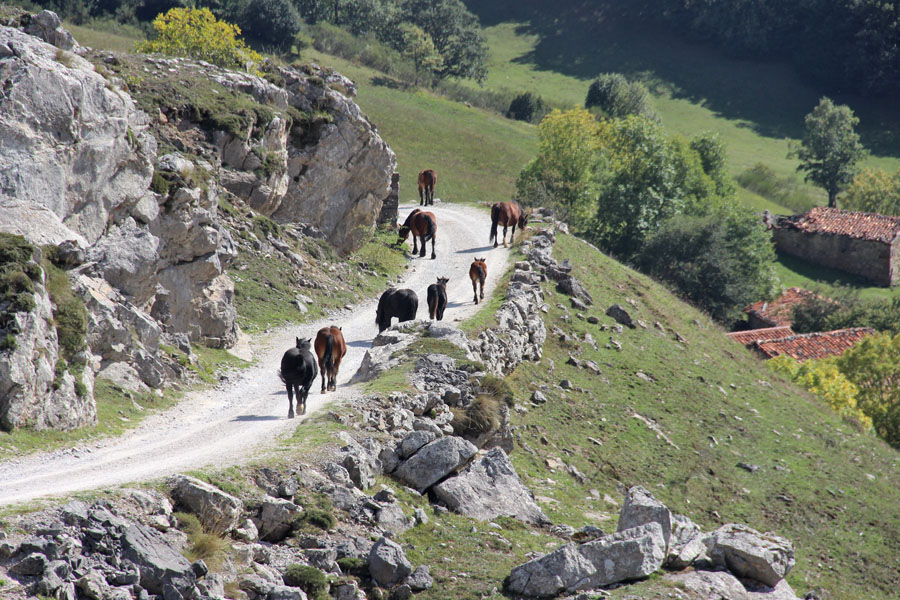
(413,441)
(388,564)
(640,508)
(218,511)
(160,565)
(763,557)
(362,467)
(276,519)
(420,579)
(489,488)
(722,585)
(630,554)
(620,315)
(686,543)
(434,461)
(390,518)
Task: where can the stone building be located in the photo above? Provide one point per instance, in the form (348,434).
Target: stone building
(778,312)
(863,244)
(808,346)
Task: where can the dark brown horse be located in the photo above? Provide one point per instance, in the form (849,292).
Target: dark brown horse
(422,225)
(330,348)
(298,372)
(437,298)
(478,273)
(427,181)
(507,214)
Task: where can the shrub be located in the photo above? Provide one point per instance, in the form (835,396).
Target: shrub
(616,97)
(196,33)
(310,579)
(188,523)
(353,566)
(497,387)
(208,547)
(762,179)
(482,416)
(527,106)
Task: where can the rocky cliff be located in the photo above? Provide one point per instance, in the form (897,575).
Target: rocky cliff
(121,161)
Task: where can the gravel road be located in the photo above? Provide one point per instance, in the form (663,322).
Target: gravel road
(233,422)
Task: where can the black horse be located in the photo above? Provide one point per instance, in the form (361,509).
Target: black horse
(402,304)
(298,371)
(437,298)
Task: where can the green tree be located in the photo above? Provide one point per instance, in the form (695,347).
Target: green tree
(875,191)
(526,106)
(830,148)
(456,34)
(196,33)
(720,261)
(873,365)
(711,150)
(270,22)
(616,97)
(562,175)
(418,48)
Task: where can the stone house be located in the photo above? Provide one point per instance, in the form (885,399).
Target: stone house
(807,346)
(751,336)
(778,312)
(863,244)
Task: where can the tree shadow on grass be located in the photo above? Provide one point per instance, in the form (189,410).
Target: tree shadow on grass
(769,98)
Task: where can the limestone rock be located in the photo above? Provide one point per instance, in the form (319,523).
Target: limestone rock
(489,488)
(722,585)
(766,558)
(388,564)
(420,579)
(276,518)
(160,565)
(219,512)
(629,554)
(620,315)
(434,461)
(640,508)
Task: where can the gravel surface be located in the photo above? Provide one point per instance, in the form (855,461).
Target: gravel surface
(232,422)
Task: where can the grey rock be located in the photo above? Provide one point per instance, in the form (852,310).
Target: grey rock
(362,468)
(724,585)
(283,592)
(276,519)
(686,543)
(159,563)
(401,592)
(218,511)
(412,442)
(390,518)
(489,488)
(434,461)
(538,397)
(766,558)
(388,564)
(620,315)
(348,591)
(33,564)
(640,508)
(389,458)
(246,531)
(420,579)
(630,554)
(92,585)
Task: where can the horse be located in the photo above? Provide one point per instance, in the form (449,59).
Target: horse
(427,181)
(478,273)
(298,372)
(437,298)
(330,349)
(402,304)
(507,213)
(422,225)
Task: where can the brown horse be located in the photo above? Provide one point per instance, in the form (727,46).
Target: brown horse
(478,273)
(330,348)
(422,225)
(427,181)
(507,214)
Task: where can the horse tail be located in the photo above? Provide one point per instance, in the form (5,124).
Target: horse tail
(328,359)
(481,274)
(281,377)
(495,218)
(430,228)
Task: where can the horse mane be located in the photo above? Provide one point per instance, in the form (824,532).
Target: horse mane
(409,218)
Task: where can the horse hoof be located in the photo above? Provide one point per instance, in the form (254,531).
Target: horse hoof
(290,415)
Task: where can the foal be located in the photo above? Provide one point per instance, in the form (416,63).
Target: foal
(478,273)
(437,298)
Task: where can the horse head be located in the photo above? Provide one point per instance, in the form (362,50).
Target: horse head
(480,260)
(402,234)
(303,344)
(442,281)
(523,218)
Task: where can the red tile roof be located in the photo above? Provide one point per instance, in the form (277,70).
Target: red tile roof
(768,333)
(813,345)
(780,311)
(860,225)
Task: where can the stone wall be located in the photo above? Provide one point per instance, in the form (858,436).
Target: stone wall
(873,260)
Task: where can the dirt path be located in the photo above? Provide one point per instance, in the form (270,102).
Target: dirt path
(227,425)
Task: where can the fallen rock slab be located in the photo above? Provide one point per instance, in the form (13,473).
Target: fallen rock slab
(724,585)
(388,564)
(218,512)
(630,554)
(434,461)
(490,488)
(763,557)
(640,508)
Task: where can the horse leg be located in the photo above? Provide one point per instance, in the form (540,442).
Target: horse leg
(290,391)
(504,237)
(433,255)
(475,291)
(481,283)
(421,199)
(422,249)
(512,234)
(415,249)
(322,373)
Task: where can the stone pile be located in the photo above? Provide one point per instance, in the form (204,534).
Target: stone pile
(650,537)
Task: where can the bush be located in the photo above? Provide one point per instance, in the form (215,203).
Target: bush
(616,97)
(720,262)
(322,519)
(353,566)
(482,416)
(310,579)
(497,387)
(196,33)
(528,107)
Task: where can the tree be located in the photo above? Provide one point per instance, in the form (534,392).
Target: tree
(456,35)
(526,106)
(418,47)
(196,33)
(830,148)
(873,365)
(563,173)
(875,191)
(616,97)
(270,22)
(720,261)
